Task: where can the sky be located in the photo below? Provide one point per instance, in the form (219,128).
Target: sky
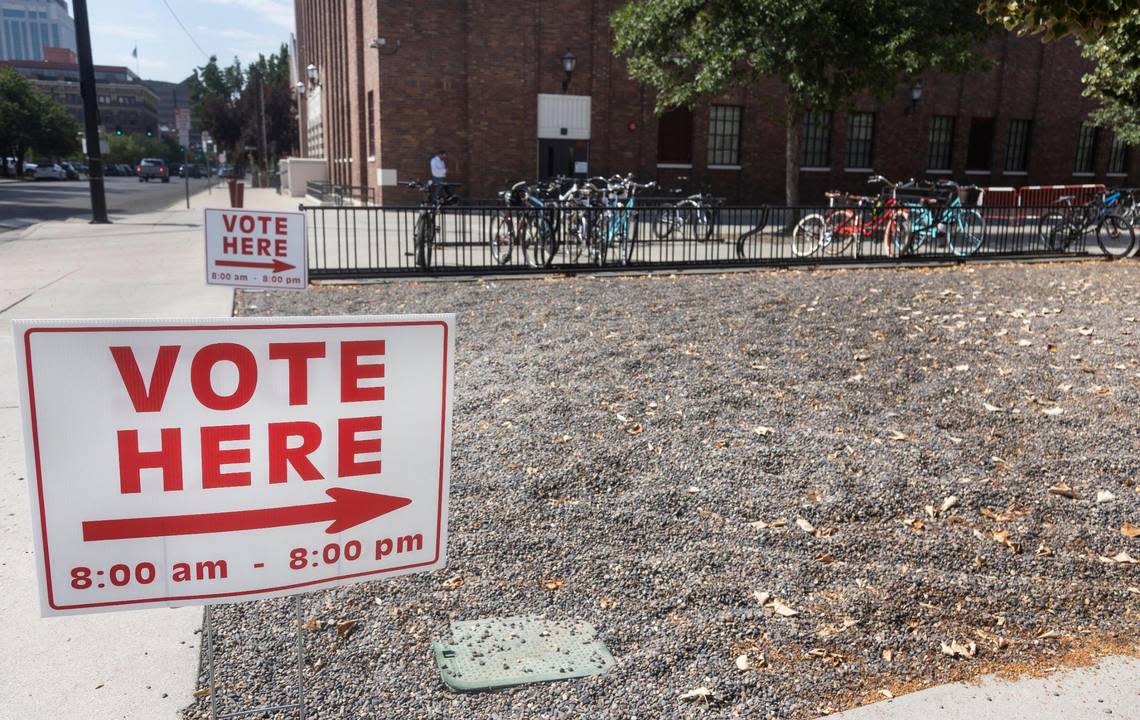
(226,28)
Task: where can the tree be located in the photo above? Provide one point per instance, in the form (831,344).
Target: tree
(30,119)
(1115,79)
(826,52)
(1084,19)
(226,103)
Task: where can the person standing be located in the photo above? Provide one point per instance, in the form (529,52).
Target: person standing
(438,176)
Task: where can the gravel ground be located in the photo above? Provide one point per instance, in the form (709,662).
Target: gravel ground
(931,468)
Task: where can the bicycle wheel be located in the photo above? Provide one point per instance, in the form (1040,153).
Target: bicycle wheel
(424,240)
(1115,236)
(575,226)
(665,223)
(808,235)
(965,233)
(842,227)
(539,245)
(1053,231)
(897,235)
(626,242)
(502,238)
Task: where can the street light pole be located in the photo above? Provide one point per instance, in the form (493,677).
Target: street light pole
(90,113)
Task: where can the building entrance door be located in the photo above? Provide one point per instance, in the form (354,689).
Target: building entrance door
(563,157)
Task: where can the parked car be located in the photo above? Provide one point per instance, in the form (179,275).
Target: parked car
(152,169)
(227,171)
(70,170)
(29,170)
(126,170)
(192,171)
(48,170)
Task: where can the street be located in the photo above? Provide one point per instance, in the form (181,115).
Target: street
(26,203)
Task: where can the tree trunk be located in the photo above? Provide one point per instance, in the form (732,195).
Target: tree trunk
(792,155)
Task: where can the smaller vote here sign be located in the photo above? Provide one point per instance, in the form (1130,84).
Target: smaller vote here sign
(256,248)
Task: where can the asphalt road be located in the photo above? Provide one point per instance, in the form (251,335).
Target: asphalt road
(27,203)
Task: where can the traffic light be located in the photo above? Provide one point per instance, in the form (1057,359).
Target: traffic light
(118,132)
(181,148)
(149,132)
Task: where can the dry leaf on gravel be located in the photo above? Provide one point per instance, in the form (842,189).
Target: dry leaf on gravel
(1104,496)
(1050,635)
(957,649)
(886,693)
(762,525)
(344,628)
(554,583)
(804,525)
(452,582)
(1085,330)
(888,655)
(693,490)
(991,408)
(1002,536)
(1064,490)
(785,611)
(763,430)
(916,524)
(826,558)
(634,429)
(1044,550)
(312,624)
(701,693)
(1129,530)
(896,435)
(607,603)
(1052,411)
(948,503)
(743,663)
(761,597)
(1121,558)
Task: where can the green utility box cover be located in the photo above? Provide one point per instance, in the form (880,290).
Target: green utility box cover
(497,652)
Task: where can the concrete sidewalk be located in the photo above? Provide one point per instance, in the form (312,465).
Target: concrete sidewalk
(139,664)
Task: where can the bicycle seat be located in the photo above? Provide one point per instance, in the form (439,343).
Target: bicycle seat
(834,194)
(1066,198)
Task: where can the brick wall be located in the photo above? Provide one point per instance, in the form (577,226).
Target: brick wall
(467,75)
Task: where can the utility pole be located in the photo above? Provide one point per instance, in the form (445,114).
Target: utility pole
(90,113)
(264,144)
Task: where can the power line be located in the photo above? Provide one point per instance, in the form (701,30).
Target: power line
(175,16)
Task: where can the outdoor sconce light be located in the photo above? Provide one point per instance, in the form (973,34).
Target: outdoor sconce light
(311,71)
(380,44)
(915,96)
(569,60)
(300,88)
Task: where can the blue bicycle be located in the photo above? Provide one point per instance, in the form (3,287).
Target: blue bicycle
(1114,233)
(618,225)
(933,213)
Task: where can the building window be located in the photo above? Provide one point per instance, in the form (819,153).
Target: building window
(980,150)
(815,147)
(1017,146)
(941,142)
(860,140)
(1086,150)
(724,134)
(675,137)
(371,126)
(1118,159)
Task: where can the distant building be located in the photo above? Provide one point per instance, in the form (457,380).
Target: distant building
(383,84)
(125,101)
(27,27)
(171,96)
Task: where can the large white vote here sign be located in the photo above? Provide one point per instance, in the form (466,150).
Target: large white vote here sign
(179,462)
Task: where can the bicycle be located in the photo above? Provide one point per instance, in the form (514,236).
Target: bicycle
(427,230)
(698,211)
(850,218)
(935,212)
(616,219)
(1114,234)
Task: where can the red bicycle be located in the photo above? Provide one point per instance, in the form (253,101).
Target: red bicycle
(852,217)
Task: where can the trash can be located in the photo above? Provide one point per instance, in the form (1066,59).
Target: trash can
(237,193)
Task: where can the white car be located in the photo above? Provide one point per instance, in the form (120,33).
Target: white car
(49,171)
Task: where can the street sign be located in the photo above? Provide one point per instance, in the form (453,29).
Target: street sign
(255,248)
(182,462)
(182,122)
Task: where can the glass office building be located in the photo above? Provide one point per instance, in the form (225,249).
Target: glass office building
(29,26)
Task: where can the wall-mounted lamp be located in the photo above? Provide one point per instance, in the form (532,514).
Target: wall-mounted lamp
(381,45)
(915,96)
(311,72)
(569,60)
(300,88)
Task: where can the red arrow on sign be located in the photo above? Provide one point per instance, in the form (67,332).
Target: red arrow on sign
(348,509)
(276,266)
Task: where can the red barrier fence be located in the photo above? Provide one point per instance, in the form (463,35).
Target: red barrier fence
(1034,197)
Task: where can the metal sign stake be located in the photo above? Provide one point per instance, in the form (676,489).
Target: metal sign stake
(300,704)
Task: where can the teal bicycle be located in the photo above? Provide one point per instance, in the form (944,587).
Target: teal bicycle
(933,213)
(617,227)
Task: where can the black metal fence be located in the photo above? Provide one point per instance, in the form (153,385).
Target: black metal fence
(328,193)
(374,241)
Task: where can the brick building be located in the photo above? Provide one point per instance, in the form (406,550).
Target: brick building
(485,81)
(125,102)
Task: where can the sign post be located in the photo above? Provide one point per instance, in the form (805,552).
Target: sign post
(187,462)
(257,249)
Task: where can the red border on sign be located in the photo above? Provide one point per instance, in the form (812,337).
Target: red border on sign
(268,326)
